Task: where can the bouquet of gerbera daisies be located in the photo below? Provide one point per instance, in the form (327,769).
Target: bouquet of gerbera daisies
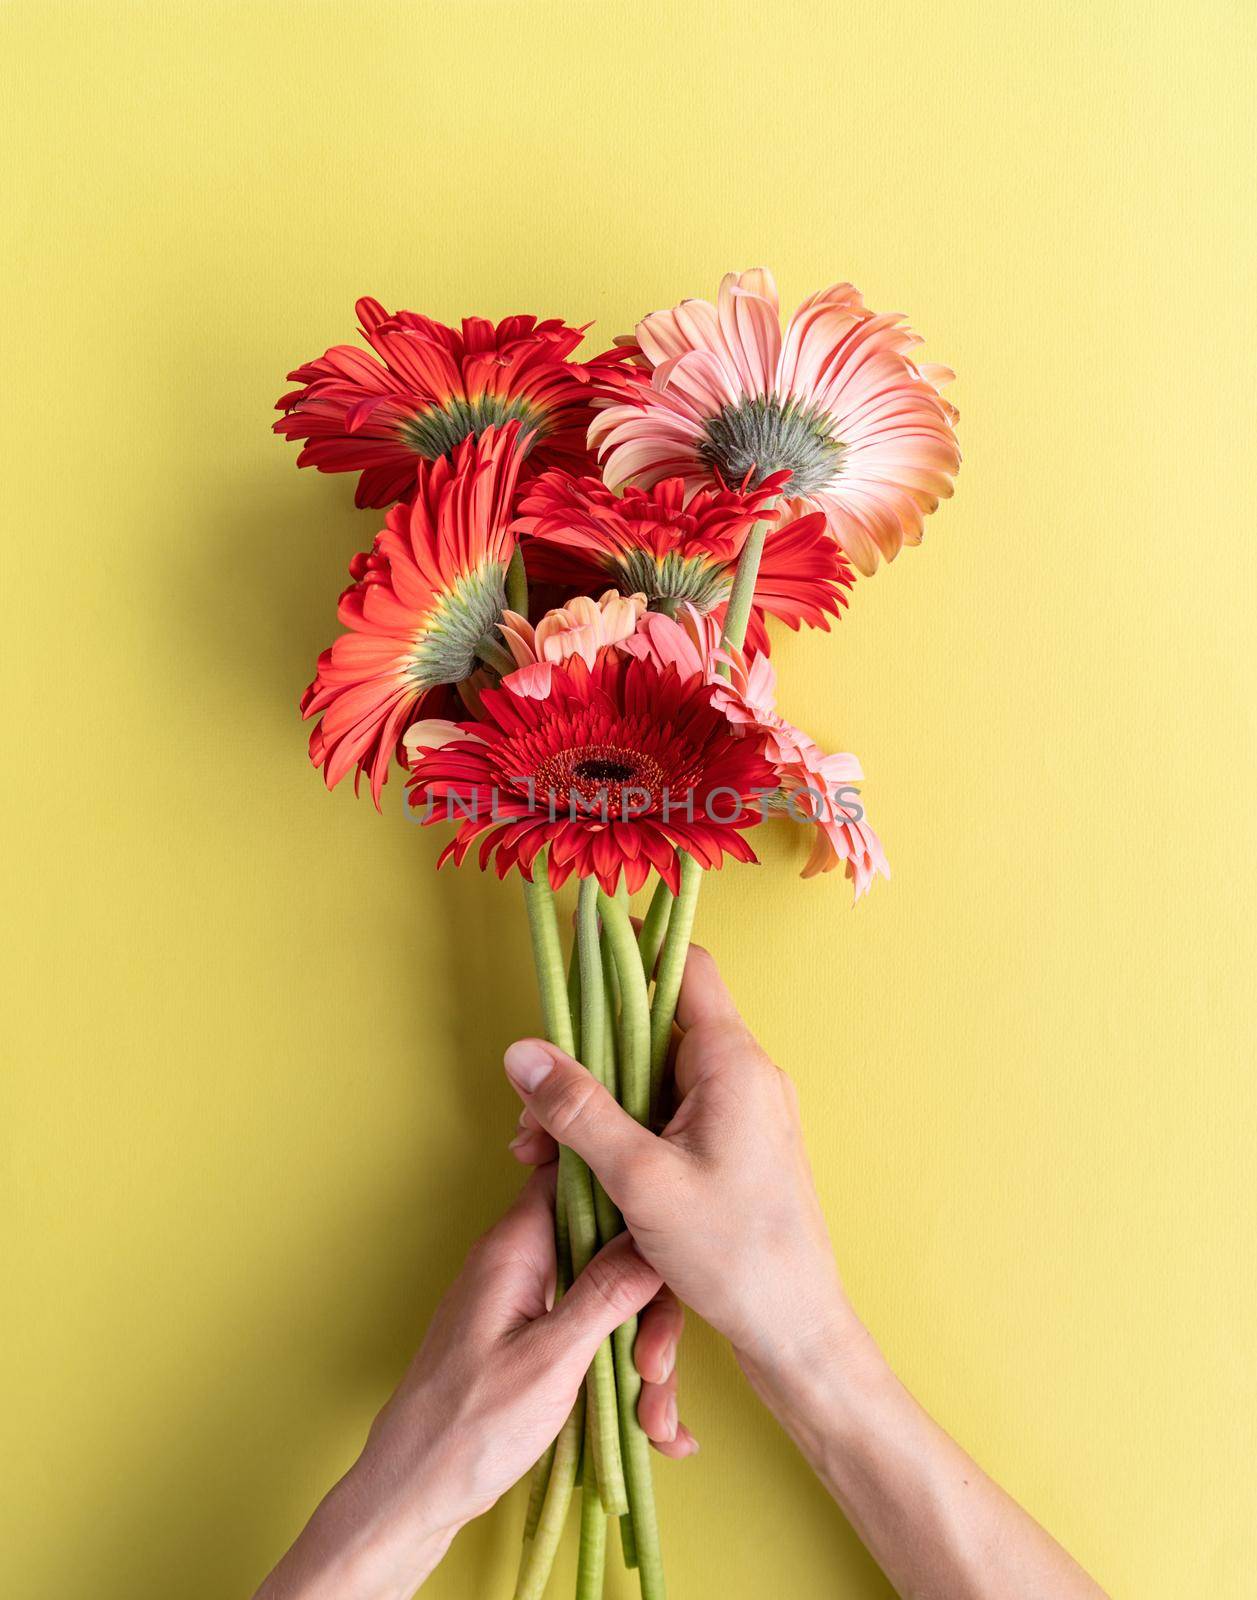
(560,634)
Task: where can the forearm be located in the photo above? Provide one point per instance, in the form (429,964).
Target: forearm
(359,1546)
(933,1521)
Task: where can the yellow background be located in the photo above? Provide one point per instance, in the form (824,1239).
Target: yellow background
(254,1112)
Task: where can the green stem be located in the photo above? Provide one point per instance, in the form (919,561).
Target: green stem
(676,944)
(573,997)
(643,1536)
(592,1564)
(654,927)
(593,994)
(636,1448)
(669,973)
(517,584)
(575,1186)
(596,1017)
(547,954)
(539,1481)
(634,1009)
(576,1214)
(578,1199)
(628,1544)
(604,1433)
(582,1216)
(495,655)
(539,1553)
(738,612)
(611,1015)
(563,1248)
(537,1486)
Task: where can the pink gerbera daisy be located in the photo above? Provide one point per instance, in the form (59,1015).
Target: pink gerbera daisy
(812,786)
(836,403)
(583,627)
(428,387)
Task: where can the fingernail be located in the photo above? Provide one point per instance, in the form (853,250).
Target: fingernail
(670,1420)
(527,1065)
(517,1141)
(689,1439)
(667,1360)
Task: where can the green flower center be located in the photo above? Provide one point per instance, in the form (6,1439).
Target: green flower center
(765,435)
(668,581)
(445,651)
(438,432)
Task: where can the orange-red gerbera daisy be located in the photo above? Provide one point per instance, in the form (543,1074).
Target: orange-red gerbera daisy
(836,402)
(681,551)
(620,767)
(424,600)
(428,387)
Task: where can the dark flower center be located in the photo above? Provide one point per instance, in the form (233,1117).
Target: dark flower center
(438,432)
(762,436)
(599,778)
(603,771)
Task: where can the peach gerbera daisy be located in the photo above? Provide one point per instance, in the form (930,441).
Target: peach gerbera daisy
(812,786)
(582,628)
(719,392)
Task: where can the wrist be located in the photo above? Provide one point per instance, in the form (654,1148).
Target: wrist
(816,1377)
(374,1537)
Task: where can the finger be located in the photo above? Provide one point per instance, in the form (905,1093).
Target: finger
(531,1144)
(517,1255)
(527,1228)
(616,1284)
(532,1149)
(685,1444)
(657,1410)
(573,1106)
(658,1337)
(703,996)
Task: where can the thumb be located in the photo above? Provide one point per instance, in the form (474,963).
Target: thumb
(571,1104)
(615,1285)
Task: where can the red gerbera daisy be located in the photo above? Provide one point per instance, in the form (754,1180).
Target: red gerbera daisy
(619,768)
(676,550)
(432,387)
(423,599)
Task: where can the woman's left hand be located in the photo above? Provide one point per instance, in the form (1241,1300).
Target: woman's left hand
(493,1382)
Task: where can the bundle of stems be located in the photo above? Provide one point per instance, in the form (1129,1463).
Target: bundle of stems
(613,1008)
(601,1012)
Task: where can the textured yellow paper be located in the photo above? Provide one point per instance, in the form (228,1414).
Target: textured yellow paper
(254,1111)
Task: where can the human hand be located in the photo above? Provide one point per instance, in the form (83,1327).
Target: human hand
(722,1203)
(723,1206)
(497,1373)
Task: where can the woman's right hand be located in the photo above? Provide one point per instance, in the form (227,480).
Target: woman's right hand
(722,1203)
(722,1206)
